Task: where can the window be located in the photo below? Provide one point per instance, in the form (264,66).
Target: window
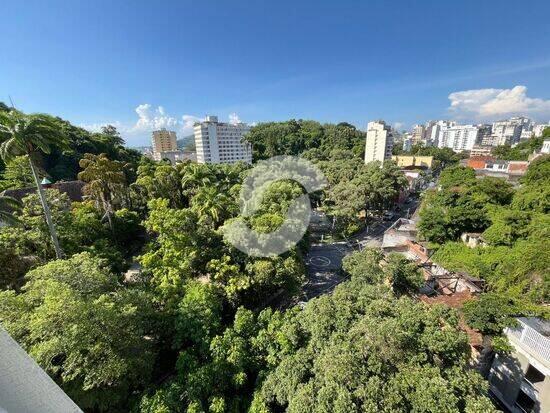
(525,403)
(533,375)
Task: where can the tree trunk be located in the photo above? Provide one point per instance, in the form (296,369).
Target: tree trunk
(41,194)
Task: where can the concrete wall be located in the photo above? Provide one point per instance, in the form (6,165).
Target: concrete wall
(24,386)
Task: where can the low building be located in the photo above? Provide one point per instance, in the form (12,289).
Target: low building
(473,239)
(480,150)
(73,189)
(396,236)
(545,147)
(497,165)
(517,167)
(406,161)
(175,156)
(521,380)
(479,162)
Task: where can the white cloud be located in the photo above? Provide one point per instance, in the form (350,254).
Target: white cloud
(490,104)
(187,123)
(96,127)
(234,118)
(398,126)
(150,120)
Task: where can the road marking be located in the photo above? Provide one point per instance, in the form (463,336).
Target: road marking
(320,261)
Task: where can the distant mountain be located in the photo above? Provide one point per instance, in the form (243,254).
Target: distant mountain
(187,142)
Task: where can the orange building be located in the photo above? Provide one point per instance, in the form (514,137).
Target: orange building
(479,162)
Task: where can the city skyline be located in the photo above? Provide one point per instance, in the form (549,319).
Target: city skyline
(330,63)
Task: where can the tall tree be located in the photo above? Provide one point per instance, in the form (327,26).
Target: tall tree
(8,206)
(31,135)
(105,182)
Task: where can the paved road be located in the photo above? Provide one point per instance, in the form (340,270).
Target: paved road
(324,260)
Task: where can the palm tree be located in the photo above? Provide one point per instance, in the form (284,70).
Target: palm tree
(105,182)
(195,176)
(8,206)
(212,205)
(30,135)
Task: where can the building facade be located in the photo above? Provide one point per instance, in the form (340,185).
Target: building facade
(458,137)
(404,161)
(435,130)
(174,157)
(164,141)
(218,142)
(480,150)
(418,134)
(379,142)
(509,132)
(539,129)
(521,380)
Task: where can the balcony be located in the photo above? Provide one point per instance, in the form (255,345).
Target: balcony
(533,335)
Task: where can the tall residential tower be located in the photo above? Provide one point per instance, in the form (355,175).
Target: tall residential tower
(164,141)
(219,142)
(379,142)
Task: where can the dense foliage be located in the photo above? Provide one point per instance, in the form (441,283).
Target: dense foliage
(295,137)
(194,325)
(515,226)
(62,162)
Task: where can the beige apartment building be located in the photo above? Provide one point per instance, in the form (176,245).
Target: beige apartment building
(406,161)
(379,142)
(164,141)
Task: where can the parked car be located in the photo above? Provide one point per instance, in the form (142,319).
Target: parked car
(388,216)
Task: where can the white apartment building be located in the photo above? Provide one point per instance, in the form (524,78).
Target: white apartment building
(539,129)
(379,142)
(509,132)
(521,380)
(218,142)
(458,137)
(545,147)
(435,130)
(164,141)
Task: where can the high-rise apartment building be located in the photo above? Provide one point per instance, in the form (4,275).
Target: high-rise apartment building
(418,134)
(164,141)
(435,130)
(218,142)
(379,142)
(508,132)
(458,137)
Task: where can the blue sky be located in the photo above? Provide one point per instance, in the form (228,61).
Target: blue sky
(96,62)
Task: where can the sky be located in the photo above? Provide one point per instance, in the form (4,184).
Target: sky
(142,65)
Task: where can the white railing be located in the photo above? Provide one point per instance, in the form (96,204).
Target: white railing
(531,339)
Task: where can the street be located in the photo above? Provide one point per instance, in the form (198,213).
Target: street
(324,260)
